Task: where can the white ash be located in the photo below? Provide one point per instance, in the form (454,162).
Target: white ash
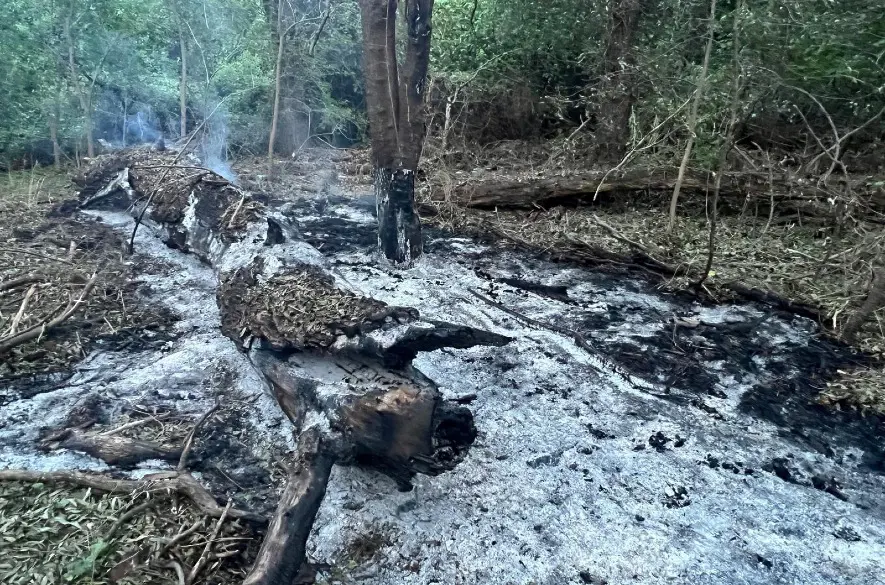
(556,489)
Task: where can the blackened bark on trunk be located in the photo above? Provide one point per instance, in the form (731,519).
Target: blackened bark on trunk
(399,229)
(617,92)
(395,101)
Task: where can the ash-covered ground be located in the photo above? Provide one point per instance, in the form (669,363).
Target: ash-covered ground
(671,443)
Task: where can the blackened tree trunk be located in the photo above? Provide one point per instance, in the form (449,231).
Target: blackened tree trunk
(395,100)
(617,92)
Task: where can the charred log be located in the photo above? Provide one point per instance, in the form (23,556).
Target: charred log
(338,363)
(602,187)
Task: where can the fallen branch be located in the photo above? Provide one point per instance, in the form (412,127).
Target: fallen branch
(38,330)
(35,254)
(20,281)
(114,450)
(588,188)
(21,311)
(132,513)
(189,441)
(204,557)
(132,425)
(284,548)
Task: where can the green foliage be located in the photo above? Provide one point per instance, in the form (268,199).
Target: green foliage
(537,62)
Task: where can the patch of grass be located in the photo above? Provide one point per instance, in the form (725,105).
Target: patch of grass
(61,535)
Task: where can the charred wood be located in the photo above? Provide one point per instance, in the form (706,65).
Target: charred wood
(601,187)
(337,363)
(112,449)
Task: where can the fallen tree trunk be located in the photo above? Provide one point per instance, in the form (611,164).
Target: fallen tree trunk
(338,364)
(602,186)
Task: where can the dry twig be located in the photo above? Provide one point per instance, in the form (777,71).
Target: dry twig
(38,330)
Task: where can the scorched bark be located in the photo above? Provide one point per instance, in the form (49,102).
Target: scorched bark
(395,102)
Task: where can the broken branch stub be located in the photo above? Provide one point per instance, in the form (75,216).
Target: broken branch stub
(338,363)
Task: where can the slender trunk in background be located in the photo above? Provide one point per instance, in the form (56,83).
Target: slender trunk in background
(277,85)
(292,127)
(693,119)
(125,113)
(182,88)
(395,104)
(728,142)
(53,129)
(617,92)
(84,98)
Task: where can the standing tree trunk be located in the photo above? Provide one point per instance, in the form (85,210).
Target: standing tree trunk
(395,100)
(277,86)
(53,129)
(182,88)
(82,94)
(693,119)
(617,92)
(290,124)
(728,142)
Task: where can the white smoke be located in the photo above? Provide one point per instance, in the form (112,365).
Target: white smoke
(214,143)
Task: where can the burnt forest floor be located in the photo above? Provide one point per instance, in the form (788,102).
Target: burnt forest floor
(686,426)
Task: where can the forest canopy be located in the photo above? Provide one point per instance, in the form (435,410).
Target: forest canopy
(515,69)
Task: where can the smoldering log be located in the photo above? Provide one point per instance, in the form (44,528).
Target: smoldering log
(338,363)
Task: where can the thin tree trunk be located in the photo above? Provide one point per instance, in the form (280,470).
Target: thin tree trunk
(693,119)
(53,130)
(182,88)
(275,119)
(616,95)
(125,113)
(728,142)
(85,101)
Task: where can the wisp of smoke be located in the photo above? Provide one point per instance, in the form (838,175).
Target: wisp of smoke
(214,144)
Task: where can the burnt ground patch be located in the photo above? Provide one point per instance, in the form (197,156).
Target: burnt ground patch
(334,235)
(687,359)
(58,256)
